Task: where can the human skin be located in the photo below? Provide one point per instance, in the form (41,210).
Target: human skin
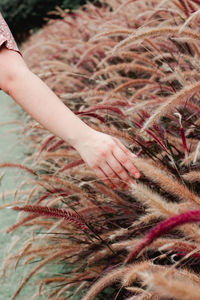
(105,154)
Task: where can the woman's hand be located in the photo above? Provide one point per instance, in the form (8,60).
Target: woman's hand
(109,158)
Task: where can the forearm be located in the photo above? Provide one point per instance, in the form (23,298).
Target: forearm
(37,99)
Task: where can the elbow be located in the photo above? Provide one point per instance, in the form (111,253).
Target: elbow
(12,80)
(6,83)
(12,68)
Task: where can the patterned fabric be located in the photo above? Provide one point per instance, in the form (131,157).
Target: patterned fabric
(6,36)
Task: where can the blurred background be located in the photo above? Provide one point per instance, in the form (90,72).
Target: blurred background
(27,16)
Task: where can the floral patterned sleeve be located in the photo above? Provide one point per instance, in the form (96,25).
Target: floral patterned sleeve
(6,36)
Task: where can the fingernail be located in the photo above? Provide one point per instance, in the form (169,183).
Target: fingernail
(137,175)
(133,155)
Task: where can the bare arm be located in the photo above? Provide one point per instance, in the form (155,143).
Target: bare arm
(103,153)
(37,99)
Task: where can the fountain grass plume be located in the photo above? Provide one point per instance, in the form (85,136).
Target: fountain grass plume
(102,107)
(55,145)
(152,32)
(46,142)
(173,101)
(70,165)
(21,222)
(58,255)
(155,202)
(167,181)
(19,166)
(170,285)
(53,213)
(127,67)
(192,176)
(162,228)
(105,281)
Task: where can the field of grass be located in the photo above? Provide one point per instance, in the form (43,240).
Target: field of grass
(129,69)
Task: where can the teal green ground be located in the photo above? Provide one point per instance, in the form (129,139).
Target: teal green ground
(11,150)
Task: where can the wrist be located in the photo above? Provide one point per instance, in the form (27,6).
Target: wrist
(80,134)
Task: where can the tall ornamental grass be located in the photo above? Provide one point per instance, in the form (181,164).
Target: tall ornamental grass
(129,69)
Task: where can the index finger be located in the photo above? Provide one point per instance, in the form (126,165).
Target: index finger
(125,161)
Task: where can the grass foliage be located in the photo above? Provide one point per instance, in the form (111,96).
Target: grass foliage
(130,69)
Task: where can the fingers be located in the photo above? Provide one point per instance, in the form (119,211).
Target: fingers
(114,165)
(99,172)
(113,177)
(123,179)
(122,154)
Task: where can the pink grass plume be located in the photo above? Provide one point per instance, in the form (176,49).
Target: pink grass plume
(70,165)
(161,228)
(47,141)
(19,166)
(83,113)
(55,145)
(52,212)
(100,107)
